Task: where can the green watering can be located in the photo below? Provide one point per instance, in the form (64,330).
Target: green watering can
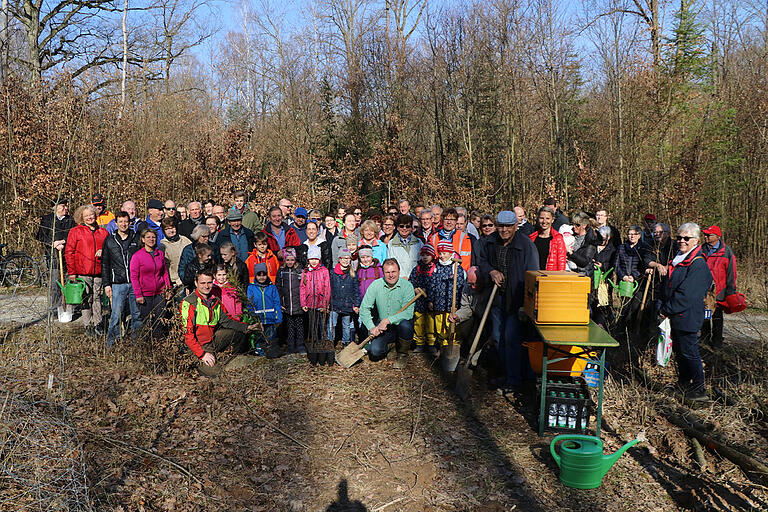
(600,275)
(73,291)
(581,460)
(625,288)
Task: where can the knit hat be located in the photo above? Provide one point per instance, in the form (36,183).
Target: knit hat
(97,199)
(313,253)
(344,252)
(260,267)
(444,246)
(428,249)
(365,250)
(289,251)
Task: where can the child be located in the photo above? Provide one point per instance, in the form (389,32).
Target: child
(262,254)
(315,294)
(345,298)
(368,270)
(423,319)
(288,284)
(352,241)
(264,304)
(227,293)
(440,290)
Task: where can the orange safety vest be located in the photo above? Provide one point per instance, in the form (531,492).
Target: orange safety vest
(462,244)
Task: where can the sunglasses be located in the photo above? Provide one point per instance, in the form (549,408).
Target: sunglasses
(170,207)
(261,273)
(487,225)
(405,225)
(686,238)
(357,213)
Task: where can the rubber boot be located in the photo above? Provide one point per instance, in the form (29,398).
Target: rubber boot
(312,356)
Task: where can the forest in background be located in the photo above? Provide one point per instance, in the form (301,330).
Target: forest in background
(633,105)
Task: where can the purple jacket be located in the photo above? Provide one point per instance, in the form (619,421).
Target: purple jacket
(149,276)
(367,275)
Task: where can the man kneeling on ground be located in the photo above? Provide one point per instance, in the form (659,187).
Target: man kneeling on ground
(389,294)
(209,328)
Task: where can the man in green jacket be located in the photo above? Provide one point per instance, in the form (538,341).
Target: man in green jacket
(388,295)
(250,219)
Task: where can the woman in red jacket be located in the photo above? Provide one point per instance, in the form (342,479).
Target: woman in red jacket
(83,253)
(151,283)
(549,243)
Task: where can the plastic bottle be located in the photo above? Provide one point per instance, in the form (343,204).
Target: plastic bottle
(584,414)
(572,413)
(562,412)
(552,418)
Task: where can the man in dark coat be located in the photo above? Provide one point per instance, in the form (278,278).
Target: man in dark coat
(195,218)
(240,236)
(503,259)
(53,231)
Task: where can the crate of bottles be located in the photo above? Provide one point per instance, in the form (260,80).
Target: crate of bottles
(567,405)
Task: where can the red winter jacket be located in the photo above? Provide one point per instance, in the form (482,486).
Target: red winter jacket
(80,250)
(291,238)
(722,264)
(557,251)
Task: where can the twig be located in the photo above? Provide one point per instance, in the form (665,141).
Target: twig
(130,447)
(343,442)
(396,500)
(274,427)
(418,412)
(698,453)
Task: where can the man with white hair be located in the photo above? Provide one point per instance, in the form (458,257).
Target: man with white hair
(128,207)
(195,218)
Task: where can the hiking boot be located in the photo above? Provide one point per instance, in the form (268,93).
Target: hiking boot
(419,349)
(401,362)
(697,395)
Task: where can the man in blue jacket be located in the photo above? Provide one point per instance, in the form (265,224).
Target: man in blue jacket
(503,259)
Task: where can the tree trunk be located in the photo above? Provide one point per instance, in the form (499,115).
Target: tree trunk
(31,22)
(124,27)
(4,37)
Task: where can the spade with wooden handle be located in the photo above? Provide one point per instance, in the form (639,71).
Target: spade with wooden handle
(61,274)
(353,352)
(452,351)
(464,375)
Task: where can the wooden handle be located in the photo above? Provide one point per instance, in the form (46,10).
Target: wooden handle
(452,329)
(482,325)
(419,293)
(645,292)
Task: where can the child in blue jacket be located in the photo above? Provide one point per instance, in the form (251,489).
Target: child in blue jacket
(440,290)
(264,304)
(345,298)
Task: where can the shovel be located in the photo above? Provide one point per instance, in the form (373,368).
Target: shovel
(464,375)
(451,352)
(353,352)
(61,274)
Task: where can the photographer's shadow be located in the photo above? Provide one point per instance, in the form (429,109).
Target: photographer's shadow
(342,503)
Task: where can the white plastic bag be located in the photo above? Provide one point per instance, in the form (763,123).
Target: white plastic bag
(664,345)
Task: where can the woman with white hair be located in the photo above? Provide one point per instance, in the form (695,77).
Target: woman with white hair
(688,279)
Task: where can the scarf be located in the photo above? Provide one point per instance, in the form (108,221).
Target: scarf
(426,270)
(445,235)
(173,239)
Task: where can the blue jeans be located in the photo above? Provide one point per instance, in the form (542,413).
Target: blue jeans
(347,327)
(122,293)
(514,357)
(401,333)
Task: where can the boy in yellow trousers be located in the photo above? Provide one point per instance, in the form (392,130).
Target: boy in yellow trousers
(423,319)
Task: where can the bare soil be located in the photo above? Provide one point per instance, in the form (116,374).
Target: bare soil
(156,436)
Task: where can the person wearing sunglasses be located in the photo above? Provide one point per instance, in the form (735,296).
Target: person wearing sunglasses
(688,280)
(404,245)
(487,226)
(286,206)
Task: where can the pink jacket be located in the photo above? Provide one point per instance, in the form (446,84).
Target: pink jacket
(228,295)
(149,276)
(315,288)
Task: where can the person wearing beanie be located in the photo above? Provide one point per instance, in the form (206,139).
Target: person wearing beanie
(440,290)
(104,216)
(289,286)
(345,299)
(423,318)
(264,305)
(315,292)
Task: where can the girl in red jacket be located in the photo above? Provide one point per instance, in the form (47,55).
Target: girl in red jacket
(83,253)
(315,295)
(549,243)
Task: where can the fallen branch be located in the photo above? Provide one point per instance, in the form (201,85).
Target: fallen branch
(382,507)
(274,427)
(744,461)
(130,447)
(698,453)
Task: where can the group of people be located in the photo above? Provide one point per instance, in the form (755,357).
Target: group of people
(300,280)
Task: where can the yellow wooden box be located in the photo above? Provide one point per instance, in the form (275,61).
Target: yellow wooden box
(557,297)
